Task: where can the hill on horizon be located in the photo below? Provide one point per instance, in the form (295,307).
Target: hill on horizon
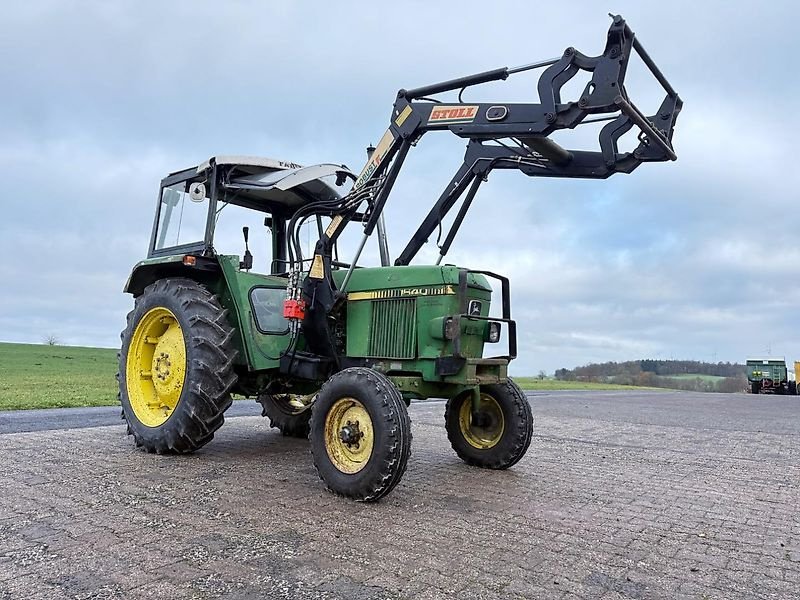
(692,375)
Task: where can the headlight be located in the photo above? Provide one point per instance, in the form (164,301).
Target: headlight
(493,333)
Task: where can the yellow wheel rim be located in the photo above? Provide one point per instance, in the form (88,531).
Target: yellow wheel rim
(155,369)
(489,431)
(349,436)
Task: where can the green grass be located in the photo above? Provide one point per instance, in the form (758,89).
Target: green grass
(712,378)
(534,383)
(41,376)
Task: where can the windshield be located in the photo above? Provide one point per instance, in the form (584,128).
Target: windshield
(181,215)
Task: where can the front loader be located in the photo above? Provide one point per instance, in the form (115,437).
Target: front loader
(335,351)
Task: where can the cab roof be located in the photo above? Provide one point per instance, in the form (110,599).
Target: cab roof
(266,182)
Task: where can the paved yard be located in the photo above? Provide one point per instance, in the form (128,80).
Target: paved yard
(622,495)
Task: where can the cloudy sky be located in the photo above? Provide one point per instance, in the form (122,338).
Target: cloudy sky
(693,259)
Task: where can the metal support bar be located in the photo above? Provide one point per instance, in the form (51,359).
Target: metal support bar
(383,244)
(462,212)
(476,400)
(458,184)
(534,65)
(641,121)
(653,68)
(353,263)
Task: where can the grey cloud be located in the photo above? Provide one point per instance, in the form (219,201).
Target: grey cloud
(689,259)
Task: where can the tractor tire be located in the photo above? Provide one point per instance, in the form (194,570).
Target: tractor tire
(503,435)
(792,388)
(360,434)
(755,387)
(176,367)
(292,420)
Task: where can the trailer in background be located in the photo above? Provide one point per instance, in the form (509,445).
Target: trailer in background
(768,375)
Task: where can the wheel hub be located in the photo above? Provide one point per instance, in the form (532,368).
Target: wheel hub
(350,434)
(481,419)
(165,382)
(482,426)
(162,365)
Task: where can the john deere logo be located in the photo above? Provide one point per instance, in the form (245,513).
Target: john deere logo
(475,307)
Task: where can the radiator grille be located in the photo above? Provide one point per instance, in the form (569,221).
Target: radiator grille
(393,333)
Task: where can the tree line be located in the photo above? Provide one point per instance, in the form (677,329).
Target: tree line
(663,373)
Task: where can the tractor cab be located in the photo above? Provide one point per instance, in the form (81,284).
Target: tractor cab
(196,206)
(209,217)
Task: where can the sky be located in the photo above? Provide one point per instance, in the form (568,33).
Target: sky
(694,259)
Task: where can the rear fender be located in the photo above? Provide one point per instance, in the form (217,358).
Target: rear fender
(206,271)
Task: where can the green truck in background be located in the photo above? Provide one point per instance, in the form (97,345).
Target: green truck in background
(768,374)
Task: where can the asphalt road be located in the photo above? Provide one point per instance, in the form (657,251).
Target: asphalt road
(634,495)
(729,412)
(20,421)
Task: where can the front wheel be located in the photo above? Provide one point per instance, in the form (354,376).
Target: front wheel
(755,387)
(498,433)
(360,434)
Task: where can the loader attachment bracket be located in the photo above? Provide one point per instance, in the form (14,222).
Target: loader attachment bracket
(516,136)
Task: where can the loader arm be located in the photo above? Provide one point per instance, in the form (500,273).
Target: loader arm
(500,136)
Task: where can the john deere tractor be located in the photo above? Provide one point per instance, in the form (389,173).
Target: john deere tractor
(335,351)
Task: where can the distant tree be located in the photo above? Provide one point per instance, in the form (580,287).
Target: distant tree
(51,340)
(565,375)
(542,375)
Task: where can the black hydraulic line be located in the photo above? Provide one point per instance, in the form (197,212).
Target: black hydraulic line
(383,194)
(549,149)
(462,212)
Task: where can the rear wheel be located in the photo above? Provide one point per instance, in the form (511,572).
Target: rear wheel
(360,434)
(176,367)
(498,433)
(291,413)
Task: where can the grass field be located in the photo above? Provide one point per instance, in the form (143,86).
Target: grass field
(711,378)
(41,376)
(533,384)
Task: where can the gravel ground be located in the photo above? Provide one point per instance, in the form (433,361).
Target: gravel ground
(622,495)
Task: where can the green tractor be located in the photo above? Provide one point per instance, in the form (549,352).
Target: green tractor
(335,351)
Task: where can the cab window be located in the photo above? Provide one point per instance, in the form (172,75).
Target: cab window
(182,215)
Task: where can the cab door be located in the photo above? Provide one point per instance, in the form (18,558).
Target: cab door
(258,300)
